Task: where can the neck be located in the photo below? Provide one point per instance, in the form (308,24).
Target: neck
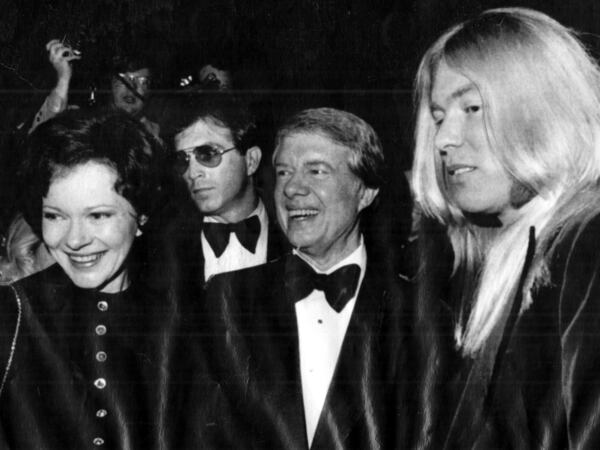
(118,283)
(243,206)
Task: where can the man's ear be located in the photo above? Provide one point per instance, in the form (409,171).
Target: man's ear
(253,157)
(367,195)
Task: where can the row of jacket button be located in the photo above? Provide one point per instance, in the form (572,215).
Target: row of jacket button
(100,383)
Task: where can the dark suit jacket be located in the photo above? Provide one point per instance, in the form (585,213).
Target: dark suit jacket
(244,389)
(179,260)
(539,387)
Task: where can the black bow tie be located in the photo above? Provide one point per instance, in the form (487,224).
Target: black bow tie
(217,234)
(339,287)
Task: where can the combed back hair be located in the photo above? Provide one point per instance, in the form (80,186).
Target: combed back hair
(224,110)
(540,92)
(77,137)
(345,129)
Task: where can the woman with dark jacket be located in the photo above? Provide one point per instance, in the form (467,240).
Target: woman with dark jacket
(507,172)
(84,343)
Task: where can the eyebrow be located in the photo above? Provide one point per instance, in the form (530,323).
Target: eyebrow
(317,162)
(310,163)
(87,209)
(207,144)
(467,88)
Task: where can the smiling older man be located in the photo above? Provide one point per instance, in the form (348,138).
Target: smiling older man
(301,351)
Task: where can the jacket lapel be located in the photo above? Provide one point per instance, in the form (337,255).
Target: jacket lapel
(478,382)
(281,395)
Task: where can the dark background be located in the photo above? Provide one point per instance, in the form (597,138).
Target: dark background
(358,55)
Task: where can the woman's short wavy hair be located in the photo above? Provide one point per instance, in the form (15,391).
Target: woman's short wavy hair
(76,137)
(541,104)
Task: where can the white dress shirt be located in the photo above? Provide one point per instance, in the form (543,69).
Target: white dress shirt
(321,332)
(236,256)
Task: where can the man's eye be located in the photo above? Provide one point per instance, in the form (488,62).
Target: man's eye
(282,173)
(49,216)
(438,117)
(100,215)
(472,109)
(208,156)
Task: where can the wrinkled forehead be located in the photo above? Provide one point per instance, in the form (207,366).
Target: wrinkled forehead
(304,146)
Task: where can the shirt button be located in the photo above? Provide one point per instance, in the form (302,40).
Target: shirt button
(98,441)
(101,413)
(101,356)
(102,305)
(100,383)
(100,330)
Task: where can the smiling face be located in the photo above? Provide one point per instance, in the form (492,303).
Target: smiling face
(88,227)
(224,192)
(124,99)
(318,198)
(475,180)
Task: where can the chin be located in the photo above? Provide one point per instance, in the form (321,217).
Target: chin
(299,241)
(86,280)
(86,283)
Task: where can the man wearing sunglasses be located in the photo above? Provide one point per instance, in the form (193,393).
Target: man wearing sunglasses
(217,156)
(307,351)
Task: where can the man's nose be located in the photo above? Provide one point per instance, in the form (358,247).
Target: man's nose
(195,169)
(296,185)
(450,133)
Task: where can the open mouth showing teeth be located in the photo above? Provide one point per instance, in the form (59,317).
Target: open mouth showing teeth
(460,170)
(85,259)
(302,213)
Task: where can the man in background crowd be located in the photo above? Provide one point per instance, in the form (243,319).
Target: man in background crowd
(130,85)
(217,156)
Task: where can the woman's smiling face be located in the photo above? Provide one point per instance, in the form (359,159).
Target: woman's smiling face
(88,227)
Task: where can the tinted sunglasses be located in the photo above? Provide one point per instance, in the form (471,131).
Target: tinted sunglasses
(136,80)
(207,155)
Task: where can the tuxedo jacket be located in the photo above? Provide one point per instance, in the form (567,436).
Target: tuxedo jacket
(244,388)
(176,254)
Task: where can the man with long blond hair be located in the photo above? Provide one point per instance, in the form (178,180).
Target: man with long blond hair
(507,168)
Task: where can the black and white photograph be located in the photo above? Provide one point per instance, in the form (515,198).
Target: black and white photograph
(299,225)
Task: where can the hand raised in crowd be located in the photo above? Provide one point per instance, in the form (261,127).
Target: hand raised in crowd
(60,56)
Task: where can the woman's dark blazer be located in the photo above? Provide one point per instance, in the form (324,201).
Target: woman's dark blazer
(82,369)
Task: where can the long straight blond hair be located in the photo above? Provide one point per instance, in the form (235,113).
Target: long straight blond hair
(541,107)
